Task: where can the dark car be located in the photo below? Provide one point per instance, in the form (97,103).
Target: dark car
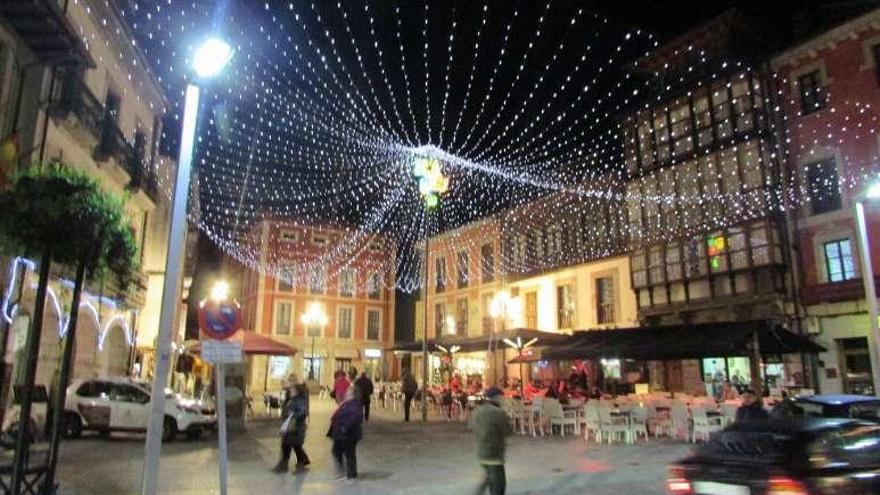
(803,456)
(840,406)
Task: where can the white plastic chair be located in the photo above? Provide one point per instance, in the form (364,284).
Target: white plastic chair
(536,416)
(591,423)
(612,427)
(704,425)
(680,420)
(728,412)
(638,424)
(557,416)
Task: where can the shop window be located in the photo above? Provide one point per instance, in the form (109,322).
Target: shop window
(812,92)
(373,324)
(342,364)
(343,323)
(716,247)
(823,186)
(463,268)
(282,318)
(839,263)
(487,258)
(604,300)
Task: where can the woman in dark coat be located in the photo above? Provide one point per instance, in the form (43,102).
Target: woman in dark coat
(296,408)
(346,430)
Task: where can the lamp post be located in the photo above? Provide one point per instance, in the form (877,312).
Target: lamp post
(314,319)
(499,310)
(210,59)
(432,184)
(871,193)
(520,347)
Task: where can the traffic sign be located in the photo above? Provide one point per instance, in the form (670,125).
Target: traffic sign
(219,319)
(221,351)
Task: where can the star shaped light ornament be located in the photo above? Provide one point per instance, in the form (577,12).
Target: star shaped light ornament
(432,182)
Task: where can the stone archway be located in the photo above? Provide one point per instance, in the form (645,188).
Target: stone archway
(115,352)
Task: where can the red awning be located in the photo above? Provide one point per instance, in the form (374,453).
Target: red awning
(254,343)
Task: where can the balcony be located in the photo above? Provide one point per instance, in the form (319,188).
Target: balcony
(43,27)
(847,290)
(90,122)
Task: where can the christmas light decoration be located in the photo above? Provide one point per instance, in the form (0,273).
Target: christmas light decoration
(543,116)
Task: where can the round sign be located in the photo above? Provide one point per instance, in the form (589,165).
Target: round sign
(219,319)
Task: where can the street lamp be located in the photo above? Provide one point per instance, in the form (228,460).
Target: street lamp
(520,347)
(871,193)
(314,319)
(432,183)
(210,59)
(499,308)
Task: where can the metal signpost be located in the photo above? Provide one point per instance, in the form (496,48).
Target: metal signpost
(219,319)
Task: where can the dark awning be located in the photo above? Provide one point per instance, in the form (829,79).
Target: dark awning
(682,342)
(481,343)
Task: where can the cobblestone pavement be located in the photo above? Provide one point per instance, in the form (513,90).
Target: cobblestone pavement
(393,458)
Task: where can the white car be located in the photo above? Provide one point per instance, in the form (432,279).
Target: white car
(119,404)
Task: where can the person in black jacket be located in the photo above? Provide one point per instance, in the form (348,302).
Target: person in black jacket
(346,431)
(365,386)
(751,408)
(293,431)
(409,389)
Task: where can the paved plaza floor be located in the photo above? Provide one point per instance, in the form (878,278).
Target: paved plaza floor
(394,458)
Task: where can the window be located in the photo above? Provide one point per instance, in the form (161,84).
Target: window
(605,300)
(488,323)
(463,268)
(342,364)
(316,279)
(285,280)
(287,235)
(487,258)
(439,319)
(282,318)
(811,91)
(839,264)
(343,323)
(554,240)
(716,247)
(440,274)
(373,324)
(319,239)
(823,186)
(376,246)
(565,306)
(374,286)
(461,317)
(347,283)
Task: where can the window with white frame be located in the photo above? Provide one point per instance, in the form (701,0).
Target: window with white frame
(347,282)
(286,279)
(344,322)
(374,323)
(287,235)
(317,277)
(320,239)
(283,312)
(812,92)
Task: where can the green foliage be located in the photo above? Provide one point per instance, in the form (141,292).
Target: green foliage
(66,212)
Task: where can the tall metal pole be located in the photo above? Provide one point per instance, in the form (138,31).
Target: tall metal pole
(221,424)
(870,291)
(170,293)
(425,336)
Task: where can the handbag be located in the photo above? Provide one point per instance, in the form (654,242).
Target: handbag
(285,426)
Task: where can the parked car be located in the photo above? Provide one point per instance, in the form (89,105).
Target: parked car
(119,404)
(802,456)
(840,406)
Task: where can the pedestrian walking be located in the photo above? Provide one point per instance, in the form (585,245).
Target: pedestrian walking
(293,429)
(410,387)
(751,408)
(340,386)
(491,427)
(346,430)
(365,387)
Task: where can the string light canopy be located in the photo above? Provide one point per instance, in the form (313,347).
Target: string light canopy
(535,112)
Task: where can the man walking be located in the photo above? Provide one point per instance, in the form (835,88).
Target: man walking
(491,427)
(410,387)
(365,386)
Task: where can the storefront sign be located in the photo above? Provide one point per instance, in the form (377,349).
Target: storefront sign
(372,353)
(221,351)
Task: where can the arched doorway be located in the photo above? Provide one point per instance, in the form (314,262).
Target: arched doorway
(85,361)
(115,352)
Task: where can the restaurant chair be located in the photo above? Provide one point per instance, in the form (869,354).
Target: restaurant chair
(728,412)
(705,425)
(591,423)
(638,423)
(678,412)
(557,416)
(612,427)
(536,416)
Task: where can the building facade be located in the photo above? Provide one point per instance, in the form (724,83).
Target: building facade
(76,90)
(356,298)
(829,89)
